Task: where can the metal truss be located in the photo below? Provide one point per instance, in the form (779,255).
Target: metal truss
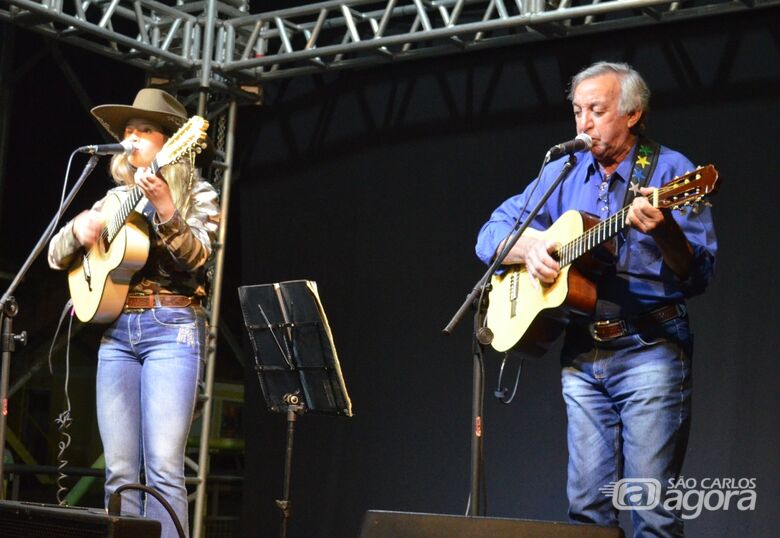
(356,33)
(220,45)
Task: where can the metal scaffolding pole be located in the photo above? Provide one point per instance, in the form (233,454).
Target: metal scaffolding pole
(216,300)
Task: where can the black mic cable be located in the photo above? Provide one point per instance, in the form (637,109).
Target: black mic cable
(115,503)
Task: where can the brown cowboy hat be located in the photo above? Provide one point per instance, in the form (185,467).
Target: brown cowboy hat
(151,104)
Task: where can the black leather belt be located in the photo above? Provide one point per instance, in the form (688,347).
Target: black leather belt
(606,330)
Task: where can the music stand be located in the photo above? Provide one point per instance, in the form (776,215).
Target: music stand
(295,359)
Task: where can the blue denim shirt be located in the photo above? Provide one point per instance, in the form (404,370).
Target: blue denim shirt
(641,280)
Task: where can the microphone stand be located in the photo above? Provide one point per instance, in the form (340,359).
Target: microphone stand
(9,309)
(483,336)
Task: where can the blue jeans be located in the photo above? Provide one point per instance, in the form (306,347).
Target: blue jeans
(628,404)
(149,367)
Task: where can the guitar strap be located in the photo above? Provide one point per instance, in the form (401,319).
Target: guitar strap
(645,161)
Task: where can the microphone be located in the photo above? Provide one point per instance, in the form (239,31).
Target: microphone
(582,142)
(125,146)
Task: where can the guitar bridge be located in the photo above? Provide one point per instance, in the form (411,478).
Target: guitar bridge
(514,285)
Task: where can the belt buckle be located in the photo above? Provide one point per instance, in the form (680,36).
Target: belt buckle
(603,323)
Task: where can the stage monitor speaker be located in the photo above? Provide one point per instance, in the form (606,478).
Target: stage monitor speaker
(33,520)
(379,524)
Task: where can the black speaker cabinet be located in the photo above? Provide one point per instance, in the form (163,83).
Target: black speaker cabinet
(378,524)
(33,520)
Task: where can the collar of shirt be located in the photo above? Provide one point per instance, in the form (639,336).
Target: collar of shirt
(622,172)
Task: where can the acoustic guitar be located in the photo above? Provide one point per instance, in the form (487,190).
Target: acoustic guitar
(100,278)
(514,300)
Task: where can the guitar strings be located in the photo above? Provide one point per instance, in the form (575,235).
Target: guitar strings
(116,222)
(599,233)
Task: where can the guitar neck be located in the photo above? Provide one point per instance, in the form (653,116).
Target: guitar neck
(134,195)
(609,228)
(591,238)
(115,223)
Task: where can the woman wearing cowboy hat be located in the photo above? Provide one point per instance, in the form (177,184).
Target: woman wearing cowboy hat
(151,358)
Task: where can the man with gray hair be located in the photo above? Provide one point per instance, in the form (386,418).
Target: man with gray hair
(626,368)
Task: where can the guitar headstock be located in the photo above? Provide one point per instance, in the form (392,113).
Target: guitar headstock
(688,189)
(189,139)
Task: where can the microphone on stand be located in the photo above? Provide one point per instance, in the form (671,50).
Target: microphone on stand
(580,143)
(125,146)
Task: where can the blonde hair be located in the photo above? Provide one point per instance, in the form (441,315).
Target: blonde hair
(179,176)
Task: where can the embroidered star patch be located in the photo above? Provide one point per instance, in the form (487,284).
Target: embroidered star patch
(644,163)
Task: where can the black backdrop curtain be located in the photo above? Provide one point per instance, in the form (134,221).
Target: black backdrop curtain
(375,184)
